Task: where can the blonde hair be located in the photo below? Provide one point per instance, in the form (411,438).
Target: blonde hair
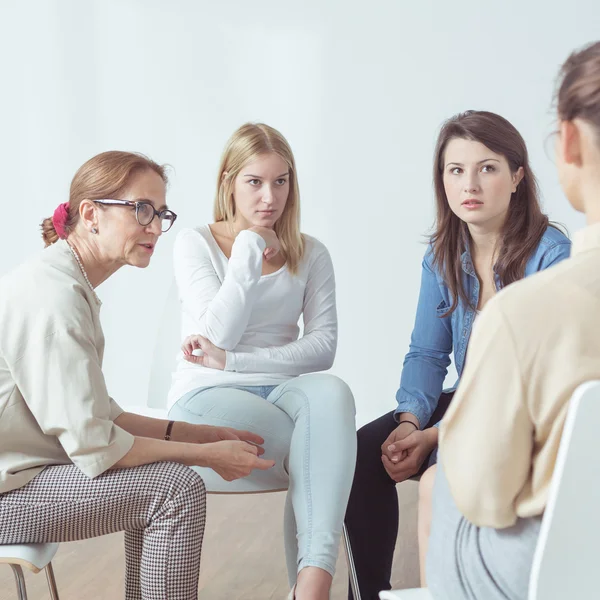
(246,144)
(103,176)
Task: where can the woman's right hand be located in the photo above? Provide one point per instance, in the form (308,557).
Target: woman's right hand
(271,239)
(233,460)
(406,449)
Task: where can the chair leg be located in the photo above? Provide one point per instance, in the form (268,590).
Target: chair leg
(351,567)
(21,590)
(51,582)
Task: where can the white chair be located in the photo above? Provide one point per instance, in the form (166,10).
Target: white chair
(35,557)
(168,343)
(565,560)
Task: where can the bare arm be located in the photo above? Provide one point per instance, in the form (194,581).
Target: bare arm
(147,450)
(149,427)
(141,426)
(230,459)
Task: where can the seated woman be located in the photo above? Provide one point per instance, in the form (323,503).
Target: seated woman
(244,281)
(73,465)
(489,232)
(535,344)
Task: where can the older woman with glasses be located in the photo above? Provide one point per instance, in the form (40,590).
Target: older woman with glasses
(73,464)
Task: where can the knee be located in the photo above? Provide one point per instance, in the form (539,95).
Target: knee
(174,481)
(189,492)
(370,440)
(426,488)
(330,391)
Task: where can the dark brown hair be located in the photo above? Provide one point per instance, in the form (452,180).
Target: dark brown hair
(103,176)
(525,222)
(578,94)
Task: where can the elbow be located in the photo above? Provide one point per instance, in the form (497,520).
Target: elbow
(475,511)
(323,362)
(483,500)
(321,357)
(224,343)
(218,333)
(222,339)
(433,359)
(328,357)
(327,361)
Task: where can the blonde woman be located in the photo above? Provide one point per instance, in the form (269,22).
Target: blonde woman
(244,282)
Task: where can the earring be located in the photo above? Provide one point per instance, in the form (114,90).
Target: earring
(94,230)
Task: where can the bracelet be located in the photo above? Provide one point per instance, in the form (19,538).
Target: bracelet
(414,424)
(168,432)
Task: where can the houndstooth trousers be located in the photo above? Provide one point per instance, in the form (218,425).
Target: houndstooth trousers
(160,506)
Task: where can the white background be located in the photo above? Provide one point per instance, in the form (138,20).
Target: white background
(359,89)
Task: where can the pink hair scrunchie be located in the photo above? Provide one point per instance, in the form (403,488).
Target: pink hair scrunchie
(60,218)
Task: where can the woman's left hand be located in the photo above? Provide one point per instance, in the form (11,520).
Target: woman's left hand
(409,454)
(211,357)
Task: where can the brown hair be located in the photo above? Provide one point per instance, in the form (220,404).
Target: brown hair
(103,176)
(247,143)
(578,94)
(525,222)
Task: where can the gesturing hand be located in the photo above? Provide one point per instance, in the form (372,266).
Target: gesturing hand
(211,357)
(232,460)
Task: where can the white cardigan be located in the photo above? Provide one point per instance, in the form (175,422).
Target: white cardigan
(253,317)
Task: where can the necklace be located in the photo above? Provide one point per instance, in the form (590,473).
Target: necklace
(87,279)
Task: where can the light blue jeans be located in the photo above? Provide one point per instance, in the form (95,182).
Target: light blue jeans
(309,429)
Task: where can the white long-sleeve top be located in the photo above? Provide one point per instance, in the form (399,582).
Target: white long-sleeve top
(253,317)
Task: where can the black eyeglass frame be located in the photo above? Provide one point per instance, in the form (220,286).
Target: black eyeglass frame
(164,216)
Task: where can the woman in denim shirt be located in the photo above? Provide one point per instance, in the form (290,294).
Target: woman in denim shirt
(490,231)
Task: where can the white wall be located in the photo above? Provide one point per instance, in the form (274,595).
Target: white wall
(359,89)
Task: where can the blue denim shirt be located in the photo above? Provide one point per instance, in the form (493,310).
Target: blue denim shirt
(433,338)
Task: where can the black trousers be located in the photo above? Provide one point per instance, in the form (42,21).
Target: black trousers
(372,513)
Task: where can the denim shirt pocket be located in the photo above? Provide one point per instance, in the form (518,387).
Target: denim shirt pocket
(442,308)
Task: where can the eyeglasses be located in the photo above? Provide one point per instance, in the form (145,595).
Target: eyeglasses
(145,212)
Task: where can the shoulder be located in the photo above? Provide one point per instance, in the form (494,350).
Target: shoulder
(430,268)
(44,277)
(316,260)
(202,232)
(40,298)
(553,240)
(193,239)
(315,251)
(534,306)
(428,257)
(553,247)
(553,237)
(313,246)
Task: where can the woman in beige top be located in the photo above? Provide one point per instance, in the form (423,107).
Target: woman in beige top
(73,464)
(534,344)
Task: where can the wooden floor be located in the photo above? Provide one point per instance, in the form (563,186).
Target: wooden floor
(242,557)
